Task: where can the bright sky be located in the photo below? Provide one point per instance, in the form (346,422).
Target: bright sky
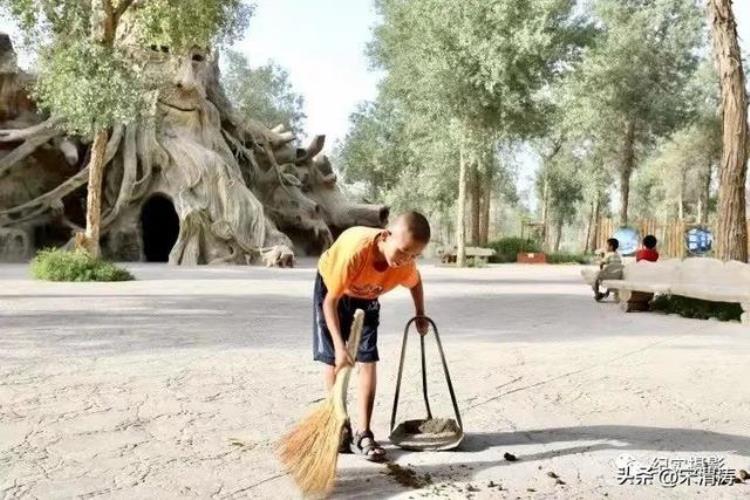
(322,45)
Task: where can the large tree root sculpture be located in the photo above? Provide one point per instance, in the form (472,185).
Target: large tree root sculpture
(236,186)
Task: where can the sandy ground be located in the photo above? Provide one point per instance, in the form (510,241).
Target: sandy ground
(177,385)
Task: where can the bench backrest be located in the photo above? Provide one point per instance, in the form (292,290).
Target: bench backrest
(664,271)
(693,271)
(701,271)
(479,252)
(736,274)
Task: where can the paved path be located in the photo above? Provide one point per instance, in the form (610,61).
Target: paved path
(177,385)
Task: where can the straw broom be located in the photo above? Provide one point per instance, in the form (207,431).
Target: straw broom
(310,450)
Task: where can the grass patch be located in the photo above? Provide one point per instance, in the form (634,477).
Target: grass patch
(55,264)
(696,308)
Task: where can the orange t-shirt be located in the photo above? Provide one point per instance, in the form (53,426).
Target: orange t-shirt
(348,266)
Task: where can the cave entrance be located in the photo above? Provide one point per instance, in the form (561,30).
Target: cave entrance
(160,227)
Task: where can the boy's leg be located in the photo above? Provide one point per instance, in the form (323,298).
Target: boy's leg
(367,385)
(595,283)
(329,376)
(367,358)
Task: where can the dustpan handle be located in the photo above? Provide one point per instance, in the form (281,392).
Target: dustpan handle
(424,378)
(424,373)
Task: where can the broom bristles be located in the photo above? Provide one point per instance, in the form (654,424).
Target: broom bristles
(310,450)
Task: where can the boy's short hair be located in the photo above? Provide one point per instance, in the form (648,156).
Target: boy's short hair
(613,243)
(417,224)
(649,241)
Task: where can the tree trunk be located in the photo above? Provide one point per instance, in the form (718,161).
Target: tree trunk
(731,236)
(545,211)
(589,227)
(597,217)
(484,230)
(626,171)
(558,235)
(94,195)
(476,202)
(704,197)
(461,209)
(681,200)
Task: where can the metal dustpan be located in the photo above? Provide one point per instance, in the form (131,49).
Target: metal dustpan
(429,434)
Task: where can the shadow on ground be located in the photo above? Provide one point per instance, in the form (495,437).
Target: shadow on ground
(372,481)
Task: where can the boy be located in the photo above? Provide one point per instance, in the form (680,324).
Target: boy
(610,268)
(648,252)
(361,265)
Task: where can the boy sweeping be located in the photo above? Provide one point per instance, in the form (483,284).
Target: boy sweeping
(360,266)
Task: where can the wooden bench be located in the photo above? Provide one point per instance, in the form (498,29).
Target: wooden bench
(448,256)
(698,278)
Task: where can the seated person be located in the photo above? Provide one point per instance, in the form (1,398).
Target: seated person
(610,268)
(648,252)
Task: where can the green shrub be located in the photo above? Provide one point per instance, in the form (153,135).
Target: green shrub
(55,264)
(568,258)
(696,308)
(507,249)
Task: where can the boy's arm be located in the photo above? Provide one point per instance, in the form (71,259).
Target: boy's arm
(417,294)
(330,311)
(339,275)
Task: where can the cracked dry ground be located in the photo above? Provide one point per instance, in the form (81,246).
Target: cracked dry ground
(177,385)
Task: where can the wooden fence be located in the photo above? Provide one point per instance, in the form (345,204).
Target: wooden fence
(671,234)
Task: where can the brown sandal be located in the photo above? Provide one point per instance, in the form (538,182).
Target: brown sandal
(364,444)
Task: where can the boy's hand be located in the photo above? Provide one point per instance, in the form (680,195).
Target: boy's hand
(423,326)
(342,359)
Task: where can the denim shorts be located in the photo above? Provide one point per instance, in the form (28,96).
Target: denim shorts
(323,349)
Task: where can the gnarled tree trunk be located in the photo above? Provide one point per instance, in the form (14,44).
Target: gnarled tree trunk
(731,236)
(236,187)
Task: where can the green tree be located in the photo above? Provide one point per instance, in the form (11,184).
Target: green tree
(475,66)
(376,149)
(86,79)
(560,188)
(400,159)
(676,180)
(263,93)
(628,88)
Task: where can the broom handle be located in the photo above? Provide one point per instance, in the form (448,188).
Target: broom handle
(341,384)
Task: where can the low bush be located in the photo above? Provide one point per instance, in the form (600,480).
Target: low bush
(568,258)
(507,249)
(696,308)
(55,264)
